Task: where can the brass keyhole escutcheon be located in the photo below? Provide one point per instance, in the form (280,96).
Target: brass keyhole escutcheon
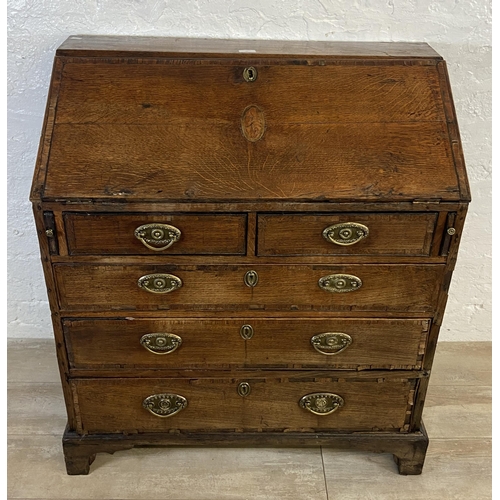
(250,74)
(244,389)
(246,332)
(251,278)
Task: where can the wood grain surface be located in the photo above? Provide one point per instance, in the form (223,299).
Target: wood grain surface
(115,405)
(411,288)
(113,234)
(115,344)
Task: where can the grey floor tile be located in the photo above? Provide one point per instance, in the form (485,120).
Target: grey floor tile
(36,470)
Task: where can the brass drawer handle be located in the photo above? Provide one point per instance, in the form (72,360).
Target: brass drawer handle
(251,278)
(340,283)
(346,233)
(160,343)
(159,283)
(164,405)
(331,343)
(321,403)
(157,236)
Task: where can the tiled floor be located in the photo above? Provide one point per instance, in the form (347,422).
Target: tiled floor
(458,464)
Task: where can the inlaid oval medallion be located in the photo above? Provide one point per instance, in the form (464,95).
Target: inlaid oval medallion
(253,123)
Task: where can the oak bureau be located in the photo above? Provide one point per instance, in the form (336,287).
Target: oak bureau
(247,242)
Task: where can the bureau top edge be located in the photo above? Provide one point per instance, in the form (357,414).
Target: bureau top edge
(139,46)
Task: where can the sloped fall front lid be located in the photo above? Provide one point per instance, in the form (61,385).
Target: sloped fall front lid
(161,119)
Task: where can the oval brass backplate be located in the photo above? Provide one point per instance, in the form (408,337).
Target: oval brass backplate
(331,343)
(346,233)
(164,405)
(340,283)
(246,332)
(244,389)
(159,283)
(251,278)
(157,236)
(250,74)
(321,403)
(161,343)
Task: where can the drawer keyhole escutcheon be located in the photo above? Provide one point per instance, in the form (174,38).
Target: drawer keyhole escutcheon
(250,74)
(160,343)
(164,405)
(321,403)
(157,236)
(331,343)
(346,233)
(244,389)
(159,283)
(340,283)
(251,278)
(246,332)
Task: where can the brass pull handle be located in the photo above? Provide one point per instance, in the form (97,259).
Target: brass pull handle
(157,236)
(251,278)
(321,403)
(346,233)
(159,283)
(250,74)
(164,405)
(340,283)
(331,343)
(160,343)
(246,332)
(244,389)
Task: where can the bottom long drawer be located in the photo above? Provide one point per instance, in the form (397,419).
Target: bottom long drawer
(254,404)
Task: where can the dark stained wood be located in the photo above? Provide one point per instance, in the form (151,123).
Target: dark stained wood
(138,93)
(137,46)
(385,288)
(389,234)
(138,128)
(215,162)
(408,448)
(115,344)
(113,234)
(115,405)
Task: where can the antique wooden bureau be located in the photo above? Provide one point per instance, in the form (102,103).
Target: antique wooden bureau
(254,239)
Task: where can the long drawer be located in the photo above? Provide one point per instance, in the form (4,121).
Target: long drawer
(401,288)
(200,343)
(163,405)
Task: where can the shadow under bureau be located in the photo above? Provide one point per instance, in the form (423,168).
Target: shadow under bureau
(247,242)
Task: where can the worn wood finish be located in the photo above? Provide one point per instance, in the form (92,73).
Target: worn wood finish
(139,129)
(385,288)
(290,162)
(115,344)
(201,234)
(302,234)
(115,405)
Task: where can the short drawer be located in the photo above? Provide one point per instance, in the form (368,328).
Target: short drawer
(266,403)
(401,288)
(336,343)
(408,234)
(155,234)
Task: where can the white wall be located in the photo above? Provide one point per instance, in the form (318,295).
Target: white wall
(459,30)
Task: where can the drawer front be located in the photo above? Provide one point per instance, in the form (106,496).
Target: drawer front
(116,405)
(335,343)
(151,234)
(346,234)
(402,288)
